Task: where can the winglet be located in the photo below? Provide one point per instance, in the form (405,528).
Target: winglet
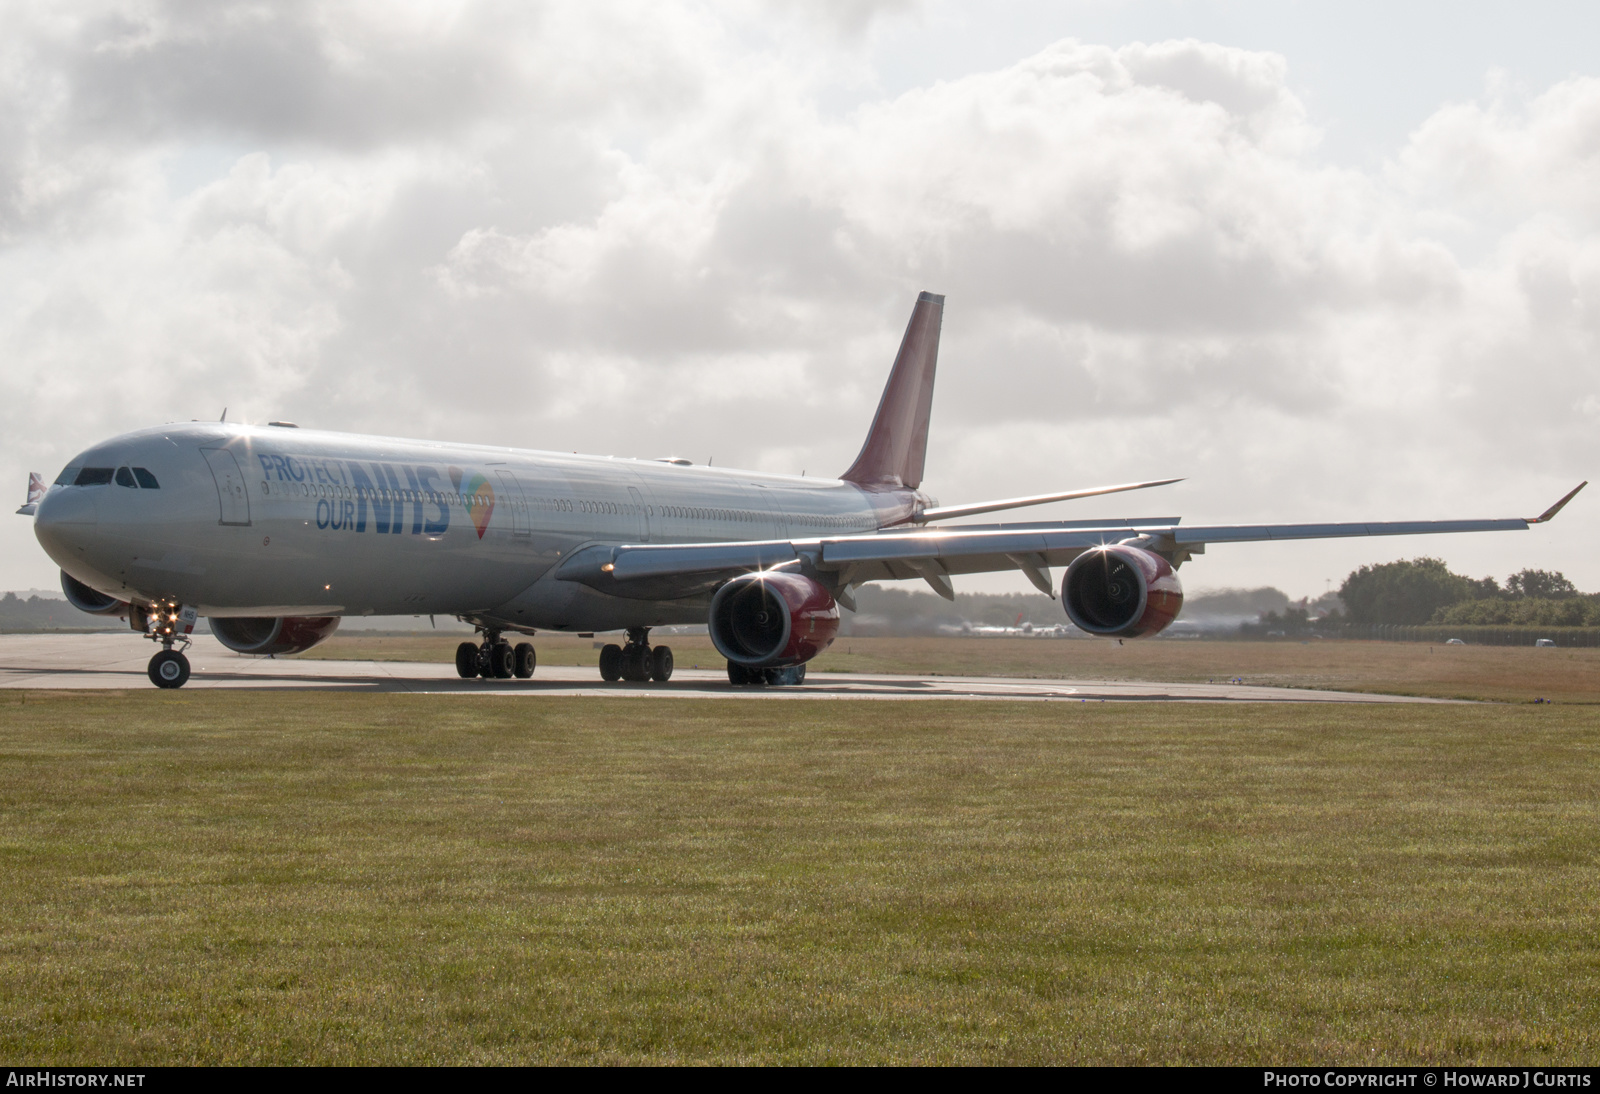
(1556,508)
(35,494)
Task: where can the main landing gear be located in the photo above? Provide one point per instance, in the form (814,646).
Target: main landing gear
(168,624)
(496,659)
(637,661)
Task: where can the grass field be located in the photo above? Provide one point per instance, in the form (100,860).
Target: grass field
(1495,673)
(213,877)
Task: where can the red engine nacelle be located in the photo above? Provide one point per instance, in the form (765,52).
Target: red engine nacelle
(273,634)
(772,619)
(1121,592)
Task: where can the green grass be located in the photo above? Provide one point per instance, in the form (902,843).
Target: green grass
(231,877)
(1502,674)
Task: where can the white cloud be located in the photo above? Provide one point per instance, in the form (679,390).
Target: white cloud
(633,230)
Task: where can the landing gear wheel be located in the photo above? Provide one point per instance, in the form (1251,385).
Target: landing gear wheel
(636,664)
(785,677)
(525,661)
(502,661)
(467,661)
(661,664)
(169,669)
(739,676)
(611,663)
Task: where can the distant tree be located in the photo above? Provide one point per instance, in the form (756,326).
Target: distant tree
(1292,622)
(1407,592)
(1234,602)
(1543,584)
(1529,611)
(36,614)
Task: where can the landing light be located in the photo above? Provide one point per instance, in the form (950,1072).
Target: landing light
(607,567)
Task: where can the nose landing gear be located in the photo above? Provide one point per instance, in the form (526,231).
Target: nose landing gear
(495,659)
(636,662)
(170,624)
(169,669)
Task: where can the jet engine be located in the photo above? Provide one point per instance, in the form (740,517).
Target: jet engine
(1121,592)
(273,634)
(89,600)
(772,619)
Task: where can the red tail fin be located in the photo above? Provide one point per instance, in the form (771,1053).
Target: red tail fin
(897,443)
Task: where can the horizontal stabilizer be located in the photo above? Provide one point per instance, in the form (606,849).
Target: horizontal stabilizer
(946,512)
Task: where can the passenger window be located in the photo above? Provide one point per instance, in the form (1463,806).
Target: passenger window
(93,476)
(125,478)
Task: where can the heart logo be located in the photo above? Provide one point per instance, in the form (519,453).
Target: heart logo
(479,493)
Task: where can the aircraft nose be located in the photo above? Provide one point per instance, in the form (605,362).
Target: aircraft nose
(68,505)
(65,517)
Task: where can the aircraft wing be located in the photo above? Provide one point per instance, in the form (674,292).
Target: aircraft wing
(667,571)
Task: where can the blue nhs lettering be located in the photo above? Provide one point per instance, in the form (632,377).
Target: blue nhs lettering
(373,484)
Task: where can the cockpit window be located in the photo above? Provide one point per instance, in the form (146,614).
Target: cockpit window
(146,480)
(124,477)
(68,476)
(93,476)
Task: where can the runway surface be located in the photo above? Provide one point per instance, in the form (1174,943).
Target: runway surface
(92,661)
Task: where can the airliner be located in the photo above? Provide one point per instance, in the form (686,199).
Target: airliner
(275,533)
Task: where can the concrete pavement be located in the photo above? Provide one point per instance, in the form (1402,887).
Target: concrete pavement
(91,661)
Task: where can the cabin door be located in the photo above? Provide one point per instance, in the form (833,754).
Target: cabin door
(780,519)
(519,506)
(644,514)
(231,497)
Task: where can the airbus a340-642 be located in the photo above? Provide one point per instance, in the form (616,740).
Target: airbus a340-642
(275,533)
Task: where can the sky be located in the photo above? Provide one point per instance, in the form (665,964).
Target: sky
(1325,261)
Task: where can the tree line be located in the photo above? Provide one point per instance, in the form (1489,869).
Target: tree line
(1418,591)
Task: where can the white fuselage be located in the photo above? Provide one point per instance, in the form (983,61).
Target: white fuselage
(265,521)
